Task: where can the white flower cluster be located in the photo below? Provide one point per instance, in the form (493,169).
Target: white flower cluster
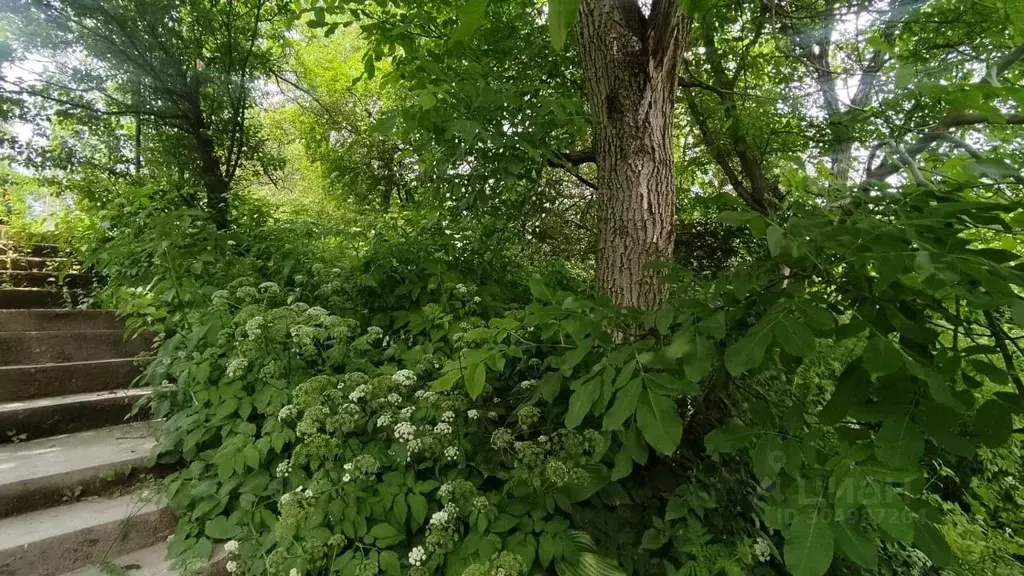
(221,298)
(762,550)
(288,412)
(231,546)
(443,428)
(284,469)
(445,491)
(237,367)
(374,333)
(404,431)
(451,453)
(246,293)
(472,414)
(231,566)
(527,384)
(404,378)
(440,517)
(254,327)
(270,288)
(448,416)
(317,313)
(481,503)
(359,393)
(394,398)
(417,556)
(384,420)
(406,413)
(294,572)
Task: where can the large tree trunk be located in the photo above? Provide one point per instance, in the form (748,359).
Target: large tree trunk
(631,65)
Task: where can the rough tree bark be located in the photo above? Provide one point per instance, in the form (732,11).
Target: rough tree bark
(631,61)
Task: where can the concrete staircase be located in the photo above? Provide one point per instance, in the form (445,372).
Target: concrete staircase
(73,491)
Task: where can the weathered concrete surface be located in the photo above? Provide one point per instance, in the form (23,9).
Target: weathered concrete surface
(34,250)
(37,279)
(25,298)
(28,348)
(46,417)
(28,263)
(56,320)
(57,540)
(45,472)
(18,383)
(152,562)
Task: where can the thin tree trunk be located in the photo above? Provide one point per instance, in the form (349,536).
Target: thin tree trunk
(631,66)
(216,186)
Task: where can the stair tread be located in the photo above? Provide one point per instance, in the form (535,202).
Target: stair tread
(71,399)
(150,561)
(78,363)
(18,531)
(126,444)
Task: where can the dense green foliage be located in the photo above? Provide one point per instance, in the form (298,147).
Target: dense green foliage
(394,360)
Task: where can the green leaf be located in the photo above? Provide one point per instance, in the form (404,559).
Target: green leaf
(993,423)
(545,549)
(856,544)
(729,438)
(881,356)
(923,264)
(930,540)
(904,76)
(737,218)
(417,508)
(748,352)
(624,405)
(990,371)
(572,358)
(623,465)
(383,530)
(659,422)
(476,377)
(768,459)
(809,546)
(562,15)
(899,442)
(581,402)
(389,563)
(471,16)
(794,336)
(1018,312)
(776,239)
(220,528)
(699,359)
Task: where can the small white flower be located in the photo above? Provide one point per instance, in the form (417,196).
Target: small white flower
(348,466)
(288,412)
(284,468)
(308,493)
(542,439)
(406,412)
(448,416)
(293,572)
(443,428)
(231,546)
(417,556)
(404,431)
(232,243)
(384,420)
(526,384)
(359,392)
(231,566)
(404,377)
(473,414)
(439,517)
(394,398)
(451,453)
(346,478)
(445,491)
(762,550)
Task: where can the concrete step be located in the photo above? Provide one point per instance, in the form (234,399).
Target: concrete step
(45,472)
(33,250)
(27,348)
(35,279)
(58,540)
(44,417)
(27,263)
(46,380)
(56,320)
(27,298)
(152,561)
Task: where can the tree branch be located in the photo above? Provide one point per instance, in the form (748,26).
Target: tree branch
(1000,339)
